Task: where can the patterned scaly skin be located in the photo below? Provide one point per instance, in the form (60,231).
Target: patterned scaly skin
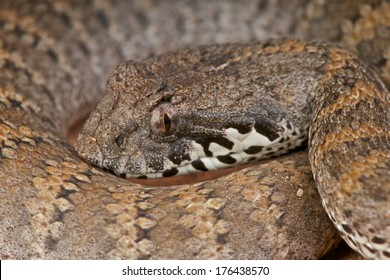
(53,56)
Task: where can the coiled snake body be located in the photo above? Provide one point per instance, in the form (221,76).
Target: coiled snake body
(225,102)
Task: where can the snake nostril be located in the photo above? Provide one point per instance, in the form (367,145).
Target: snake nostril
(119,140)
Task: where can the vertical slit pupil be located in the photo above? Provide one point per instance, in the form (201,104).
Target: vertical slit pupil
(167,123)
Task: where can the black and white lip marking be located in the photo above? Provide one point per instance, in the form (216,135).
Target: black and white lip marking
(234,149)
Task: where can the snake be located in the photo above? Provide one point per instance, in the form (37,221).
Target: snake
(194,86)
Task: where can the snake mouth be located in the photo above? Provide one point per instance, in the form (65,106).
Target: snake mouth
(193,178)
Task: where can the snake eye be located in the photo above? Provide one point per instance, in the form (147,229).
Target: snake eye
(164,120)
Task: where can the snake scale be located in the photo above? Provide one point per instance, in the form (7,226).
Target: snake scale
(54,59)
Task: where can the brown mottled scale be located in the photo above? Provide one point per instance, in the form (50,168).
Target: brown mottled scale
(54,61)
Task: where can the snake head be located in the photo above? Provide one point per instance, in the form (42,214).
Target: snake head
(132,130)
(192,111)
